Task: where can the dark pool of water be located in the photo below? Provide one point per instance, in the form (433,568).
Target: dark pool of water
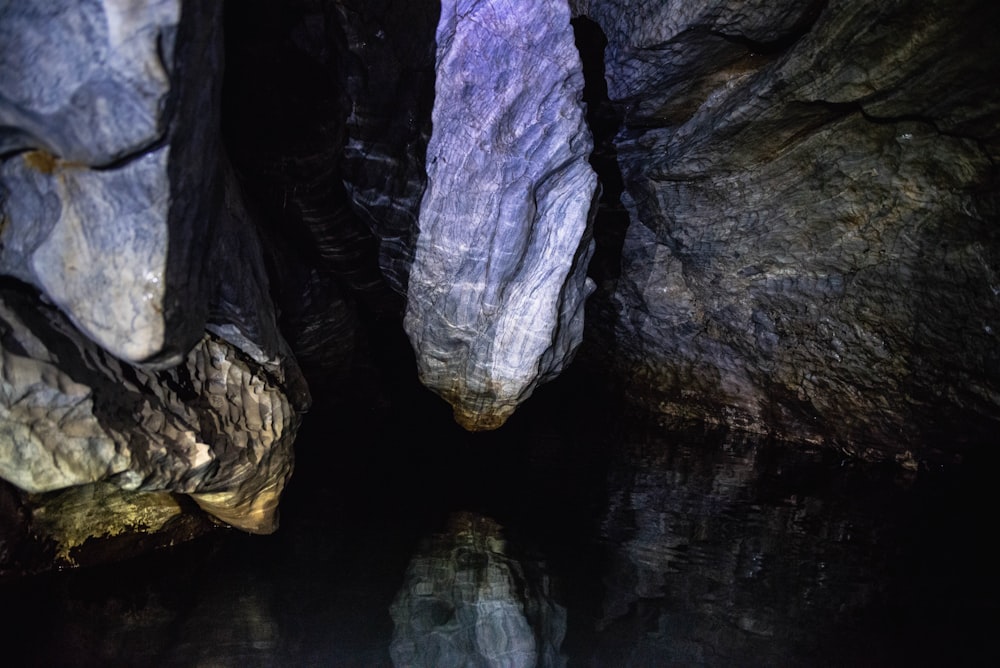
(576,535)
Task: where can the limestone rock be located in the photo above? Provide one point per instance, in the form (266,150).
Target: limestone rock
(327,99)
(86,81)
(109,188)
(466,601)
(118,204)
(218,427)
(89,524)
(497,285)
(812,192)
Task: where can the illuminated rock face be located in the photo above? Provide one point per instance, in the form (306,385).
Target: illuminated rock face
(215,427)
(813,246)
(497,286)
(113,173)
(149,357)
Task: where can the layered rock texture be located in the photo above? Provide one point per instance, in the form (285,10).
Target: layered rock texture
(798,234)
(498,281)
(813,244)
(138,340)
(216,427)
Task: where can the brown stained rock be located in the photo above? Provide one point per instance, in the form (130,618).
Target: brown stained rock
(149,360)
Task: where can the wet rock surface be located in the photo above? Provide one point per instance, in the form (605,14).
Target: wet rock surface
(812,200)
(496,290)
(703,547)
(115,233)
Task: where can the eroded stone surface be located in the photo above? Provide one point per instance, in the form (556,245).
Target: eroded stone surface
(119,205)
(388,83)
(109,181)
(812,192)
(311,199)
(218,427)
(496,291)
(95,242)
(87,81)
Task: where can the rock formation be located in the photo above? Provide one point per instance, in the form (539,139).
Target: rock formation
(217,427)
(139,343)
(813,248)
(496,290)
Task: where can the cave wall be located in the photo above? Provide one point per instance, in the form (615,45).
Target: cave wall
(797,232)
(812,248)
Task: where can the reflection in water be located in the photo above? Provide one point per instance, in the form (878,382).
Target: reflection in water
(726,551)
(466,601)
(648,547)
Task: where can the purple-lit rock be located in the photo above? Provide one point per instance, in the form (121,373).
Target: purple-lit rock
(497,286)
(108,179)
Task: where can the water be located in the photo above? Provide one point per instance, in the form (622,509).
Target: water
(578,535)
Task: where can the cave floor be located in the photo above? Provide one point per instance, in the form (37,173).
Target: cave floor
(645,546)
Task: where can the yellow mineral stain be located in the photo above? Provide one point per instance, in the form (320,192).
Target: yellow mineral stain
(41,161)
(72,516)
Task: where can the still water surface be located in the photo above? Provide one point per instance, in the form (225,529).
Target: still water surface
(576,535)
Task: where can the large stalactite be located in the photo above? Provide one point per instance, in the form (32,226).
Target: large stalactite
(496,291)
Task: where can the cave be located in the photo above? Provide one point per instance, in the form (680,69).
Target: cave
(482,332)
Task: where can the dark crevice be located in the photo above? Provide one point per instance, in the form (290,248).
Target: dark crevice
(284,124)
(137,153)
(134,155)
(604,121)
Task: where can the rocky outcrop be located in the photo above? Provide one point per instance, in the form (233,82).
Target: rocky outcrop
(110,187)
(467,601)
(217,427)
(138,338)
(496,290)
(813,245)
